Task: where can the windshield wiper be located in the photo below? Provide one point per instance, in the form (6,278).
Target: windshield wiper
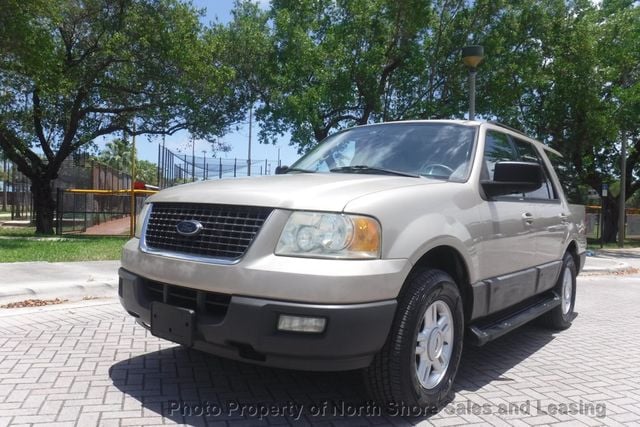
(373,170)
(280,170)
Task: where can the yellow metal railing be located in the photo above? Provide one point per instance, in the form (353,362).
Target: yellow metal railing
(108,192)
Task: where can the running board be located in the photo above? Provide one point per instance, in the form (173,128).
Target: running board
(485,331)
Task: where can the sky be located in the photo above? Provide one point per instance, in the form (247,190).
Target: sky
(147,148)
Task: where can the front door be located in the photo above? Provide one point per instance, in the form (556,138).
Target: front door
(507,255)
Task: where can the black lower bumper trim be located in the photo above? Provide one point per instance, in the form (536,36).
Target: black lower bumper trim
(248,332)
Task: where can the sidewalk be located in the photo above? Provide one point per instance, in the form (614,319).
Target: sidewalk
(75,280)
(603,261)
(47,280)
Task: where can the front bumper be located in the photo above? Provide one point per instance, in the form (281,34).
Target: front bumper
(261,273)
(244,328)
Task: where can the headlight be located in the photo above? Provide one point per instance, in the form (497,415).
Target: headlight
(140,220)
(328,235)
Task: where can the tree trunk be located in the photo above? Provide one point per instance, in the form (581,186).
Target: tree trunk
(5,179)
(44,204)
(610,220)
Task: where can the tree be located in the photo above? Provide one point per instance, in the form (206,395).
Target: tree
(332,63)
(72,71)
(4,177)
(250,50)
(567,73)
(117,154)
(432,83)
(326,65)
(147,172)
(564,72)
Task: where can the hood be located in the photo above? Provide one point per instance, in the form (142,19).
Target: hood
(306,191)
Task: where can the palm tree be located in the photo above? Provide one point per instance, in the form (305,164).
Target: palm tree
(117,154)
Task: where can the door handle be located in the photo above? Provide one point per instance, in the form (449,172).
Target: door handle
(527,217)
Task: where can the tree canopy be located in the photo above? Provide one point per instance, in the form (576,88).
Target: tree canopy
(337,64)
(333,62)
(568,73)
(71,71)
(565,72)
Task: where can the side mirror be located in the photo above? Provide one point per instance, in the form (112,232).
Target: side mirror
(513,177)
(281,170)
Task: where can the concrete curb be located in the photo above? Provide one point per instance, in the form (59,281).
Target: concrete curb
(70,280)
(605,265)
(68,306)
(620,268)
(63,290)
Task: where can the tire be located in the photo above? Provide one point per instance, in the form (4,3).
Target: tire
(560,317)
(392,378)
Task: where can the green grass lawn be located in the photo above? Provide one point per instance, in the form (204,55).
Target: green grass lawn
(18,231)
(20,244)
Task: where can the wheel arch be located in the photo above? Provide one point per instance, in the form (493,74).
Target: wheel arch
(452,262)
(572,249)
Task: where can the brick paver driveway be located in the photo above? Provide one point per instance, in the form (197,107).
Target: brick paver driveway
(90,364)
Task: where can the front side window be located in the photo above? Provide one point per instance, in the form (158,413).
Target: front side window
(501,147)
(432,150)
(528,153)
(497,148)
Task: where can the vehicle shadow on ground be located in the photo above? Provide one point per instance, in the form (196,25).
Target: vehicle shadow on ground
(482,365)
(190,387)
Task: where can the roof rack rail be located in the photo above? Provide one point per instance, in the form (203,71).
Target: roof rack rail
(545,146)
(508,127)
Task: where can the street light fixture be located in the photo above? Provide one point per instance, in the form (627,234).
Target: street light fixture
(472,56)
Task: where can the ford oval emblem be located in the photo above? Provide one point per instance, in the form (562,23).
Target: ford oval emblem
(189,227)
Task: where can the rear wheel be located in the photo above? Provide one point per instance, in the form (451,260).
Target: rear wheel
(561,316)
(418,363)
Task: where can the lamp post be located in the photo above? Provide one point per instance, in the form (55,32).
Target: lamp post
(193,159)
(132,219)
(472,57)
(623,191)
(249,151)
(204,165)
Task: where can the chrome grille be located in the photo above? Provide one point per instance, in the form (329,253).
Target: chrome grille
(227,231)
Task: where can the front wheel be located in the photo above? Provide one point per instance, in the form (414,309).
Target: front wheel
(418,363)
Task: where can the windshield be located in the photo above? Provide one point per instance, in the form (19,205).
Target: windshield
(435,150)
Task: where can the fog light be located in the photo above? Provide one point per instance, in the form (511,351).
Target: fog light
(301,324)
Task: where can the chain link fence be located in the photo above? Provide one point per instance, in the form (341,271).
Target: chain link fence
(98,212)
(179,168)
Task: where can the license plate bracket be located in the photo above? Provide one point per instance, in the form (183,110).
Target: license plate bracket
(175,324)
